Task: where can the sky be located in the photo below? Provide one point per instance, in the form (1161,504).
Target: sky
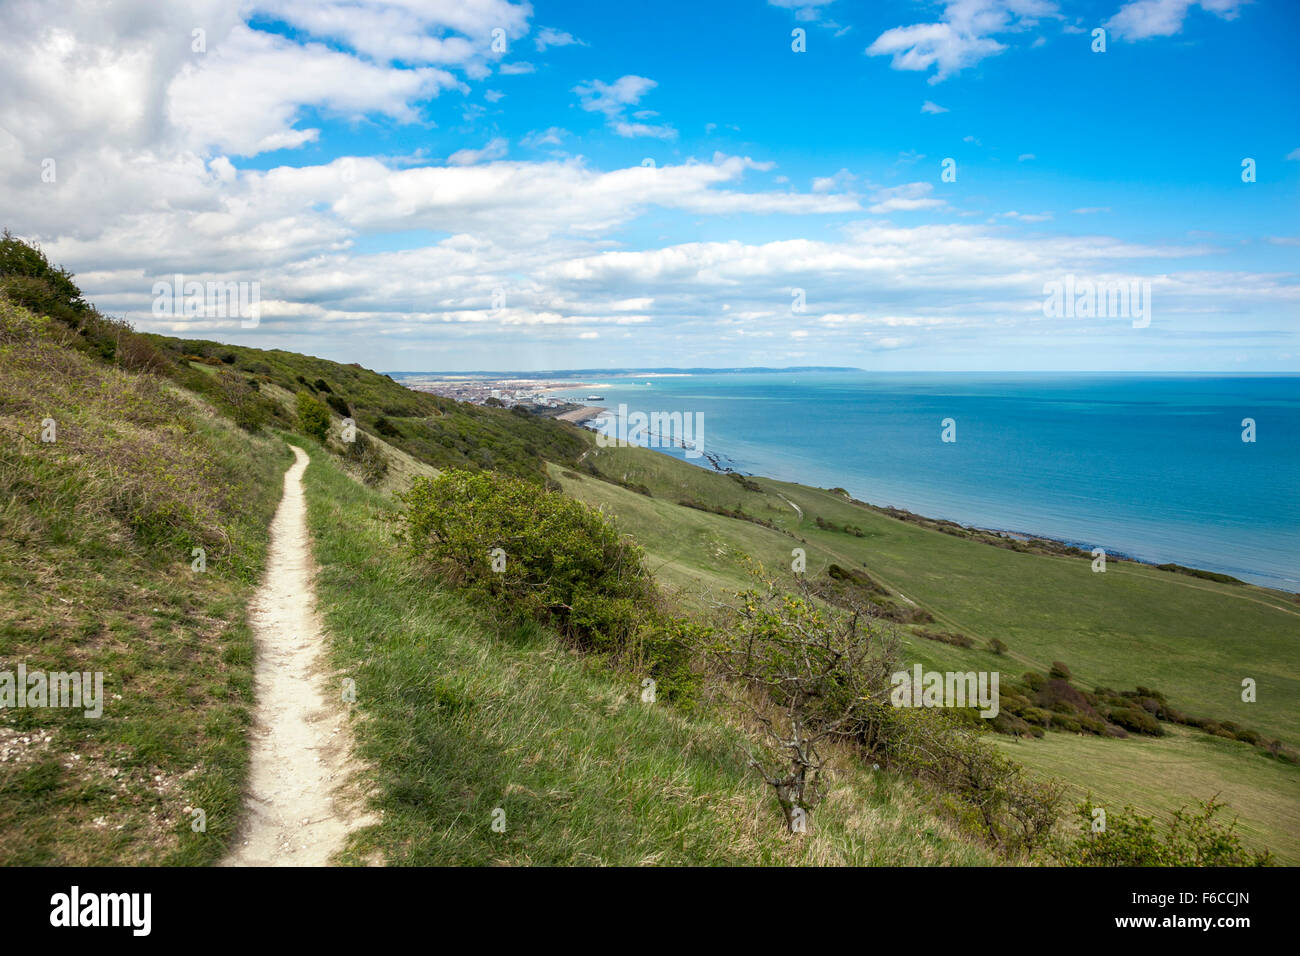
(421,185)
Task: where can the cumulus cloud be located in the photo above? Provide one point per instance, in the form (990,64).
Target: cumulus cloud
(148,134)
(244,97)
(613,101)
(963,36)
(1141,19)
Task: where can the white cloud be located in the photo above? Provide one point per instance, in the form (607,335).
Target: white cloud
(495,149)
(549,38)
(551,136)
(961,38)
(929,107)
(1162,18)
(613,99)
(1294,154)
(911,197)
(426,32)
(804,9)
(244,96)
(1025,216)
(1025,157)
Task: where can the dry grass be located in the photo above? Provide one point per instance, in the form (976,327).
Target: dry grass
(96,536)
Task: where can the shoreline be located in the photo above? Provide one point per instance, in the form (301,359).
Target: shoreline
(581,415)
(1058,546)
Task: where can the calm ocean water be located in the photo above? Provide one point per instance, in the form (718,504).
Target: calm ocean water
(1152,467)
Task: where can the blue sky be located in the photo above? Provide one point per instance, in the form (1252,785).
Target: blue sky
(406,193)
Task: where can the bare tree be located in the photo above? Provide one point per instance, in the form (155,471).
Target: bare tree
(806,675)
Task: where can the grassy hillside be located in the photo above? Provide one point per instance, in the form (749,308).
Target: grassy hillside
(97,535)
(1191,638)
(433,430)
(459,715)
(160,446)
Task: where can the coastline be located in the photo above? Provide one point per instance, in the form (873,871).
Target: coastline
(996,537)
(582,414)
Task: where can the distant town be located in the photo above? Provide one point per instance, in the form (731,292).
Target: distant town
(537,395)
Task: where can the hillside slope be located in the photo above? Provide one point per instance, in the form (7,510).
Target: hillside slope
(458,714)
(99,574)
(1133,625)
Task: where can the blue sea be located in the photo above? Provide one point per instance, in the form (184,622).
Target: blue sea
(1150,467)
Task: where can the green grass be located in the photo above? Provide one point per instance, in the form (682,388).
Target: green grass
(435,431)
(1193,639)
(96,532)
(1159,775)
(458,715)
(1190,638)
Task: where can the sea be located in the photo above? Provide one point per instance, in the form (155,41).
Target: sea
(1153,467)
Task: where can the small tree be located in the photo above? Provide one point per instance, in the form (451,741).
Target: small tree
(806,676)
(313,417)
(997,646)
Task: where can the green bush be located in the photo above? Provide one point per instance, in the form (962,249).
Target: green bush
(339,405)
(552,559)
(313,418)
(1136,720)
(1190,839)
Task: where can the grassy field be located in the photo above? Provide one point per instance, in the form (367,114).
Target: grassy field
(1158,775)
(1193,639)
(459,715)
(97,531)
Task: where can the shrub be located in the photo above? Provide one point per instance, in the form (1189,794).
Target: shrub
(1059,671)
(249,409)
(339,405)
(993,793)
(313,418)
(946,637)
(386,428)
(1136,720)
(1190,839)
(365,454)
(997,646)
(560,561)
(809,675)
